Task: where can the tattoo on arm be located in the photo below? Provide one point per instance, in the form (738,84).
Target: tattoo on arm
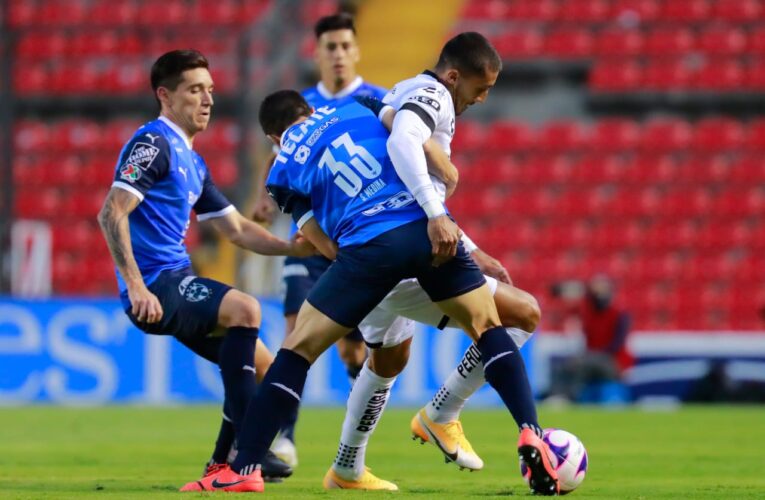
(114,224)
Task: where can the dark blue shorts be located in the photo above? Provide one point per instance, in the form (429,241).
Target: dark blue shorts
(300,275)
(363,275)
(189,305)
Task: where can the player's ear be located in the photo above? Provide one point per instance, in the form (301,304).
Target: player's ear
(452,76)
(275,139)
(163,95)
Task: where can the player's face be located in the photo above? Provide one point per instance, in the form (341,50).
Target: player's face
(336,56)
(190,104)
(469,90)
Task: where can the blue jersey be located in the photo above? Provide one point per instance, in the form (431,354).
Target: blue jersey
(338,163)
(318,95)
(159,167)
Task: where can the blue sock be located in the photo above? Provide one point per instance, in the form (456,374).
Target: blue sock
(278,397)
(505,371)
(237,367)
(225,439)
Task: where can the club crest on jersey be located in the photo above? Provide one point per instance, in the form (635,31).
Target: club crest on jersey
(193,292)
(302,154)
(427,100)
(130,173)
(142,155)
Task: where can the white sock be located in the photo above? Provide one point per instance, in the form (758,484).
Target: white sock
(366,403)
(462,383)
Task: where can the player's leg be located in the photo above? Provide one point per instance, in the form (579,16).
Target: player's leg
(519,314)
(352,352)
(389,337)
(462,293)
(342,297)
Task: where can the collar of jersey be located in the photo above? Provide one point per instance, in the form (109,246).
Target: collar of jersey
(348,90)
(175,128)
(434,76)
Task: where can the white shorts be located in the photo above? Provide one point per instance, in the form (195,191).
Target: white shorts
(392,321)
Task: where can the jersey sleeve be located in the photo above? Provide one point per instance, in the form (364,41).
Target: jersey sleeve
(211,203)
(428,103)
(281,189)
(143,161)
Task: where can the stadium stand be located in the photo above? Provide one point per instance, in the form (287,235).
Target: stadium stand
(668,203)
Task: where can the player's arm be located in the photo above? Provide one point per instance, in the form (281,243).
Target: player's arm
(412,126)
(439,164)
(265,208)
(249,235)
(302,214)
(213,208)
(133,178)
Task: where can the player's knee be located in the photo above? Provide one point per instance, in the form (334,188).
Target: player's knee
(248,313)
(388,363)
(531,314)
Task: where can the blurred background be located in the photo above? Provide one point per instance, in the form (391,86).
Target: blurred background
(617,170)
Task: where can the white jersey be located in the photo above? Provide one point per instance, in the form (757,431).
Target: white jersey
(427,97)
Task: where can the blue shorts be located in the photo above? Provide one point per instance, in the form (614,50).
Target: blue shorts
(300,275)
(189,307)
(363,275)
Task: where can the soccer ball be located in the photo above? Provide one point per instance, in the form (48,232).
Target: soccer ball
(568,457)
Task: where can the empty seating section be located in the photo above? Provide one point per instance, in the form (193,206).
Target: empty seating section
(634,45)
(669,208)
(86,47)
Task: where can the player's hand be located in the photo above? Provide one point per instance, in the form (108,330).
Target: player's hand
(146,306)
(301,247)
(444,236)
(265,209)
(491,266)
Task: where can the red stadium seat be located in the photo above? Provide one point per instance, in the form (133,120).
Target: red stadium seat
(509,136)
(584,11)
(757,41)
(562,135)
(717,134)
(723,41)
(666,135)
(705,168)
(485,10)
(755,76)
(172,13)
(725,75)
(30,136)
(685,11)
(748,169)
(519,44)
(615,76)
(615,134)
(569,44)
(41,45)
(634,12)
(30,78)
(468,137)
(532,10)
(737,11)
(666,42)
(756,135)
(221,12)
(653,168)
(113,13)
(37,203)
(60,170)
(618,43)
(666,75)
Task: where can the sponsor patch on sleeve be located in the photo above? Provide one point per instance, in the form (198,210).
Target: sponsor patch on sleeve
(429,101)
(142,155)
(130,172)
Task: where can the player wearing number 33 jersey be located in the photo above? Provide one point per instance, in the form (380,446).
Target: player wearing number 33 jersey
(338,159)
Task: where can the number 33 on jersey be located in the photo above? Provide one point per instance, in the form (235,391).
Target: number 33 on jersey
(336,162)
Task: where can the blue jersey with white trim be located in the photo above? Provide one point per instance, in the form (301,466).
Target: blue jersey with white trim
(159,167)
(338,160)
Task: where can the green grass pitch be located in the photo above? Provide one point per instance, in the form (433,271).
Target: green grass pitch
(134,452)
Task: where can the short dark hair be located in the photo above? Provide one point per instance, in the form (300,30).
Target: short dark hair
(334,22)
(280,109)
(168,69)
(470,53)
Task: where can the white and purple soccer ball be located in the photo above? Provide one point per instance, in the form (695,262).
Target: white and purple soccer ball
(568,456)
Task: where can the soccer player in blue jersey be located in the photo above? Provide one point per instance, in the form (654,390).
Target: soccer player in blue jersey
(158,180)
(336,56)
(333,171)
